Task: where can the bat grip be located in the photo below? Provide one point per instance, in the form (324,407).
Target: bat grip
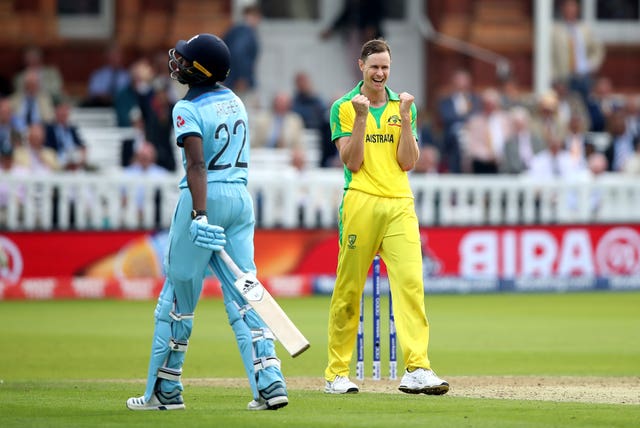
(230,263)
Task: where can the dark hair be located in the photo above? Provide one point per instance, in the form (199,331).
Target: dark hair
(251,9)
(373,47)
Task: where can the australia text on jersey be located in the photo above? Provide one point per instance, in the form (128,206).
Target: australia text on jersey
(379,138)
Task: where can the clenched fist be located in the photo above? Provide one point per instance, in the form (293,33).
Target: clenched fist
(360,105)
(406,100)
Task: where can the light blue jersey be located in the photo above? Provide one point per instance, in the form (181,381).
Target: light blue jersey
(213,115)
(220,119)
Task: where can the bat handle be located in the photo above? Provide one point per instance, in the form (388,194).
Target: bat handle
(230,263)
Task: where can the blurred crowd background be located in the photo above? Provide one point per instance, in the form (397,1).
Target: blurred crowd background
(472,119)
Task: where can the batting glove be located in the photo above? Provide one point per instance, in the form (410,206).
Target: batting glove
(207,235)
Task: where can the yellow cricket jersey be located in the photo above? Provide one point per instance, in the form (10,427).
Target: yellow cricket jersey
(380,173)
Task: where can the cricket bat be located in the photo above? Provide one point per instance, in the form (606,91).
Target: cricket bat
(265,305)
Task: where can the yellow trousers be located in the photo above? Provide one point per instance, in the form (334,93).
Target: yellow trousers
(388,226)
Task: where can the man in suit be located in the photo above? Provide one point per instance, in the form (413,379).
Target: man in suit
(11,132)
(485,135)
(623,144)
(576,54)
(600,104)
(454,110)
(576,140)
(32,104)
(545,120)
(62,136)
(34,155)
(106,81)
(280,128)
(522,145)
(50,77)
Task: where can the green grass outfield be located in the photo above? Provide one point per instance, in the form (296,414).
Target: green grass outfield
(74,363)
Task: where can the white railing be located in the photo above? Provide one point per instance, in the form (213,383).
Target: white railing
(287,198)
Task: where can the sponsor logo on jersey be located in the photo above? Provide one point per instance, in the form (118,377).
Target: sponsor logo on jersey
(180,122)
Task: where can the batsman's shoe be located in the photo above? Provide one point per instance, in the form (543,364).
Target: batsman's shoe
(340,385)
(423,381)
(159,401)
(271,398)
(258,404)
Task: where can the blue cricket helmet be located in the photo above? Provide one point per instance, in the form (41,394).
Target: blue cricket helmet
(207,57)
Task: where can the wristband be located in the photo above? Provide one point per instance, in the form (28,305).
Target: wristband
(197,213)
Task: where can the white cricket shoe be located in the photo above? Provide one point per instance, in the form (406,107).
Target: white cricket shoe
(271,398)
(259,404)
(423,381)
(165,402)
(262,404)
(340,385)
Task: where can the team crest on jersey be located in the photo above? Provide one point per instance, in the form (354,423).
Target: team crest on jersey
(351,240)
(180,121)
(394,120)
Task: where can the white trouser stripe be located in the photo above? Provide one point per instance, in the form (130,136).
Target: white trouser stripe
(169,374)
(264,362)
(178,345)
(180,317)
(262,333)
(243,309)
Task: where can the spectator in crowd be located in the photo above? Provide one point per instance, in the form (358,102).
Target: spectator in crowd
(511,94)
(597,166)
(357,22)
(280,127)
(106,81)
(600,104)
(576,140)
(131,144)
(63,137)
(11,132)
(9,169)
(428,163)
(136,94)
(429,160)
(632,114)
(545,119)
(35,156)
(154,106)
(485,135)
(454,110)
(50,77)
(244,45)
(576,54)
(312,109)
(32,104)
(307,103)
(161,80)
(622,145)
(522,145)
(632,165)
(160,129)
(597,163)
(570,104)
(329,156)
(426,132)
(555,162)
(144,166)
